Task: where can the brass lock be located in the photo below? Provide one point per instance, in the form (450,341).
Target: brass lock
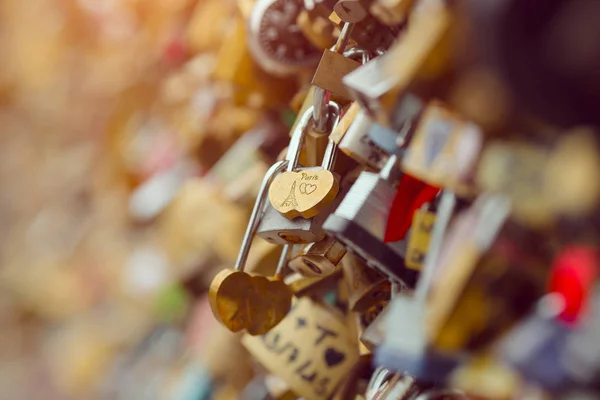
(332,68)
(420,235)
(312,350)
(366,287)
(319,258)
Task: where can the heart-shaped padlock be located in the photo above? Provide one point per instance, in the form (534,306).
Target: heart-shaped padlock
(304,193)
(254,303)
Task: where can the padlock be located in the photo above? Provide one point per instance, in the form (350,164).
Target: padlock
(312,350)
(421,54)
(360,220)
(419,237)
(368,33)
(275,40)
(563,323)
(275,227)
(319,258)
(352,136)
(374,334)
(393,140)
(255,303)
(542,183)
(488,282)
(366,287)
(582,353)
(539,360)
(410,351)
(444,149)
(304,193)
(332,68)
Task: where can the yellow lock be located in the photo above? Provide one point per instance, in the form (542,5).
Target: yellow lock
(418,242)
(312,349)
(444,149)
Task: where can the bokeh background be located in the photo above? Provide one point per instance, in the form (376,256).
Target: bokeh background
(116,205)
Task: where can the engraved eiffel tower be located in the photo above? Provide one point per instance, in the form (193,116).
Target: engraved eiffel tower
(290,201)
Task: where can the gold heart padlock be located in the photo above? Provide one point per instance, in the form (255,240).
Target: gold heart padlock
(306,192)
(255,303)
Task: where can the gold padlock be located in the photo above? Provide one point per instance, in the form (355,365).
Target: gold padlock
(485,288)
(419,59)
(366,286)
(418,242)
(311,349)
(332,68)
(444,149)
(319,258)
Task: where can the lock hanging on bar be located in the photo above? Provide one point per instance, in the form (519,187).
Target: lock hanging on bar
(254,303)
(276,227)
(360,221)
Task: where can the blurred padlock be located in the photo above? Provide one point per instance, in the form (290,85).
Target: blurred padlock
(275,40)
(352,136)
(359,222)
(366,287)
(410,351)
(332,68)
(311,349)
(420,235)
(490,281)
(276,227)
(421,54)
(444,149)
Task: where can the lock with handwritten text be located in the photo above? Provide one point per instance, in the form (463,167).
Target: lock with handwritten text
(311,349)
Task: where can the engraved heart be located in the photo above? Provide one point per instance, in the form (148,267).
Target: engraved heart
(333,357)
(307,188)
(255,303)
(304,193)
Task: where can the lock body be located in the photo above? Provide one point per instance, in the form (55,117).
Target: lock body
(319,258)
(276,228)
(356,143)
(359,222)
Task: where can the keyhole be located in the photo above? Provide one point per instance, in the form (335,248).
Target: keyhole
(312,267)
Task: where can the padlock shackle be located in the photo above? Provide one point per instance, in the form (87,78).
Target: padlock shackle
(440,226)
(283,260)
(297,140)
(351,53)
(257,213)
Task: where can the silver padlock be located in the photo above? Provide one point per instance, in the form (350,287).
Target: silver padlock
(275,227)
(356,143)
(360,222)
(394,139)
(412,351)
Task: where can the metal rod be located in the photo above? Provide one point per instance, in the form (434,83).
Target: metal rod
(445,211)
(257,212)
(283,260)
